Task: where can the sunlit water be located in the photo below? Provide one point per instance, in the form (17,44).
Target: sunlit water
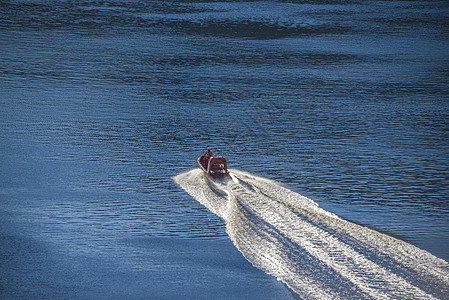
(317,254)
(103,103)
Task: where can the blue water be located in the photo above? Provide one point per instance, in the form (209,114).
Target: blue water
(102,104)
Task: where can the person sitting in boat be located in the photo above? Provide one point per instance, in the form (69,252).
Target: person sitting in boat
(208,153)
(205,158)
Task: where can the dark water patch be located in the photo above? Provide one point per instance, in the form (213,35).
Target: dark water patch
(180,17)
(230,19)
(266,57)
(77,16)
(260,29)
(430,14)
(322,2)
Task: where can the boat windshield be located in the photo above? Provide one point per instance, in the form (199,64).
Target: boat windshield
(220,168)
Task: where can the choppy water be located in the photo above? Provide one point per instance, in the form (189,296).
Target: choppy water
(102,103)
(317,254)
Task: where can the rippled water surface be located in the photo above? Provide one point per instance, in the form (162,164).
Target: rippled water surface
(103,103)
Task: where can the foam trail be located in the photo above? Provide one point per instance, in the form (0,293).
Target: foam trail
(316,253)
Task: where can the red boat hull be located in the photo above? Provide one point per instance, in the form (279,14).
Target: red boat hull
(215,166)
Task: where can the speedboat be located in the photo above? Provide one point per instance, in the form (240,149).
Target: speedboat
(215,166)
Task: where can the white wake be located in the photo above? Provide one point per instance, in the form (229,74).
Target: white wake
(314,252)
